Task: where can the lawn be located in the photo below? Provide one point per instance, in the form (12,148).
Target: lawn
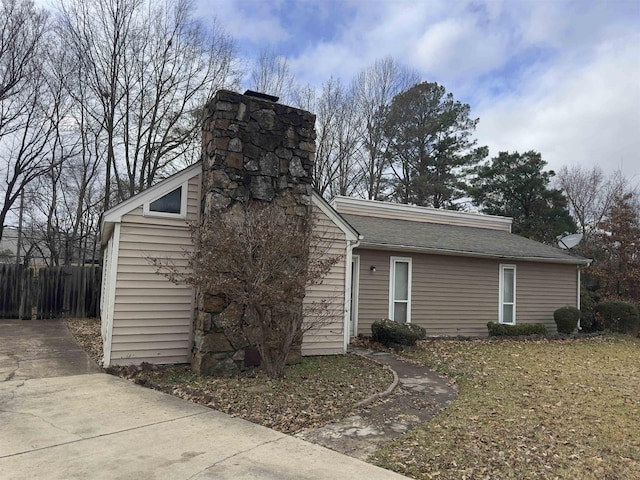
(529,409)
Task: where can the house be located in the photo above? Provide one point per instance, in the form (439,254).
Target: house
(147,318)
(449,272)
(452,272)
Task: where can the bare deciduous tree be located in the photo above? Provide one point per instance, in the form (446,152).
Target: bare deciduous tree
(374,88)
(24,130)
(270,74)
(590,194)
(65,202)
(335,172)
(149,68)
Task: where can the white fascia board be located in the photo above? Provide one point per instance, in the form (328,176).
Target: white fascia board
(455,253)
(115,214)
(335,217)
(107,231)
(379,206)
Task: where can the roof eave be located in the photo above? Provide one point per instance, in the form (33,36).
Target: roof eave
(460,253)
(107,231)
(351,233)
(114,214)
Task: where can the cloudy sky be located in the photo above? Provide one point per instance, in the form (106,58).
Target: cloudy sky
(560,77)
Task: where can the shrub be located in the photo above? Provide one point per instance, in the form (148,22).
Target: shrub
(502,330)
(588,300)
(389,333)
(620,317)
(566,319)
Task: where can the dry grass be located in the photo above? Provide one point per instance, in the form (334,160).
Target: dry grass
(539,409)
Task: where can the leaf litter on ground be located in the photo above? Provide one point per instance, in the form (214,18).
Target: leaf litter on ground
(545,408)
(312,393)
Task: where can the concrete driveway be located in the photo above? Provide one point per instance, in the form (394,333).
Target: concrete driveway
(96,426)
(40,349)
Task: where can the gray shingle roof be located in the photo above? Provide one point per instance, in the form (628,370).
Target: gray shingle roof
(455,240)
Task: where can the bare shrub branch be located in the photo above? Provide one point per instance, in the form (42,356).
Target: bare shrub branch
(261,262)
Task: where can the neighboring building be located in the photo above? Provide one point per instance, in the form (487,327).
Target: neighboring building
(35,252)
(33,247)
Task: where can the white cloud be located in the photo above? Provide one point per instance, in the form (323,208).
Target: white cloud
(574,113)
(555,76)
(253,21)
(458,48)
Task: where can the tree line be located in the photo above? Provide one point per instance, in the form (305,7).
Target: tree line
(100,99)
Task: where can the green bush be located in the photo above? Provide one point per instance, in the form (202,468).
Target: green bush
(503,330)
(389,333)
(620,317)
(566,319)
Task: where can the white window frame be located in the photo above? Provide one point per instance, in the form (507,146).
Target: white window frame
(392,283)
(501,303)
(355,294)
(147,212)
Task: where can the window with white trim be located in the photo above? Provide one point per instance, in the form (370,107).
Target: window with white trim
(507,302)
(400,289)
(172,204)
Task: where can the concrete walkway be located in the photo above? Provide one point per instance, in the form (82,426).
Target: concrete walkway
(419,396)
(96,426)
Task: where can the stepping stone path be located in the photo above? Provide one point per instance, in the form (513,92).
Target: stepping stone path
(419,396)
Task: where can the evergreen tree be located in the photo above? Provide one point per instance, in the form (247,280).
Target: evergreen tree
(515,185)
(430,146)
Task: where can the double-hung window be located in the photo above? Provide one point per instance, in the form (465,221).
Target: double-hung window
(400,289)
(507,303)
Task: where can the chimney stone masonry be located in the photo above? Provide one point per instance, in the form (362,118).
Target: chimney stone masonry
(253,150)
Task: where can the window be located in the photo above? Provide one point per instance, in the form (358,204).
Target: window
(172,204)
(400,289)
(507,303)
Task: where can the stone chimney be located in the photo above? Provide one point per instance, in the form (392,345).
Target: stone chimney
(252,149)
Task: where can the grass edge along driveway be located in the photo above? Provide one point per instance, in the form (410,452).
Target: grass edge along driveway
(548,408)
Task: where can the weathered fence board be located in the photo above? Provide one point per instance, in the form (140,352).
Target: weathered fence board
(15,290)
(49,292)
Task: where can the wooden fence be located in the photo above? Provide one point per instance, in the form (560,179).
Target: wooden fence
(30,293)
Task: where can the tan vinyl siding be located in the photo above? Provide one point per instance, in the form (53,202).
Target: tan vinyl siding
(543,288)
(327,337)
(152,316)
(349,206)
(193,200)
(459,295)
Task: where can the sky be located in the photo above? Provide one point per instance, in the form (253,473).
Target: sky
(559,77)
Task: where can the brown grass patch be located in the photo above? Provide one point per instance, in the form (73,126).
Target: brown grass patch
(529,409)
(317,391)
